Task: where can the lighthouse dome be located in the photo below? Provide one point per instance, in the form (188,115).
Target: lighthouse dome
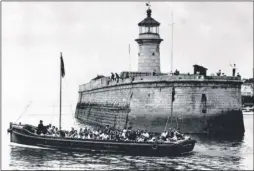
(149,21)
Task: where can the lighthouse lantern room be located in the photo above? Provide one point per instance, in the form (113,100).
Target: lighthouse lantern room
(149,44)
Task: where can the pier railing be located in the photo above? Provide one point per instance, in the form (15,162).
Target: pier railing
(107,81)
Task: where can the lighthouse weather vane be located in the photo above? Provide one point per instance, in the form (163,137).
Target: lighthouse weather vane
(148,4)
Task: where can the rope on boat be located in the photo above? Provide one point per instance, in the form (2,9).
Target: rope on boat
(73,116)
(171,111)
(177,123)
(24,111)
(129,100)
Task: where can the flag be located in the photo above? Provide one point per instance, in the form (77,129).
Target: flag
(62,66)
(173,94)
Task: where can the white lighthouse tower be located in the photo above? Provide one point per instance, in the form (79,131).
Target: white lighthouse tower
(149,44)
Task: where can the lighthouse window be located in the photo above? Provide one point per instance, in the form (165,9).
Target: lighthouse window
(153,53)
(141,30)
(149,29)
(157,29)
(154,30)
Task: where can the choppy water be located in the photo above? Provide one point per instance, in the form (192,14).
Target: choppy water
(214,154)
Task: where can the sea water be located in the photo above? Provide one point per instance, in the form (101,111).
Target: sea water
(209,153)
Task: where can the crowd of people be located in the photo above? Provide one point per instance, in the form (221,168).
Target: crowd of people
(219,73)
(109,133)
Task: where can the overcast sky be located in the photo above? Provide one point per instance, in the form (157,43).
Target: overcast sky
(94,38)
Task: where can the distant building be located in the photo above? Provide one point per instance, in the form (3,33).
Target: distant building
(247,89)
(247,92)
(200,69)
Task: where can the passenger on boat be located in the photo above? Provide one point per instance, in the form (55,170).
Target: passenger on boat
(178,135)
(53,129)
(56,130)
(145,134)
(96,132)
(84,130)
(132,135)
(66,133)
(62,133)
(74,135)
(41,128)
(174,136)
(112,135)
(91,136)
(86,133)
(103,136)
(49,129)
(81,133)
(71,133)
(152,138)
(107,129)
(164,135)
(116,136)
(123,135)
(140,139)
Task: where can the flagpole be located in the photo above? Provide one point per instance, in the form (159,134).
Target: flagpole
(60,93)
(129,57)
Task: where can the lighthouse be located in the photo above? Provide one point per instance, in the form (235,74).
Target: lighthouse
(149,44)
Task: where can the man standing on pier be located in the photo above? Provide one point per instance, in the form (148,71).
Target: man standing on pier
(117,77)
(112,76)
(233,70)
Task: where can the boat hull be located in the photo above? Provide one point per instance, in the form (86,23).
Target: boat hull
(20,136)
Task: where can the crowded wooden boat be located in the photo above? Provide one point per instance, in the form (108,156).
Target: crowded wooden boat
(127,141)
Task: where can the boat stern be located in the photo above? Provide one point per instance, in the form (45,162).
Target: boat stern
(187,145)
(10,128)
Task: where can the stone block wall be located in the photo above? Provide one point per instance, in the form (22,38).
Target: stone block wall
(147,105)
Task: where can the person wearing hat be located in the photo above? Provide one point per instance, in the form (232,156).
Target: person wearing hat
(40,127)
